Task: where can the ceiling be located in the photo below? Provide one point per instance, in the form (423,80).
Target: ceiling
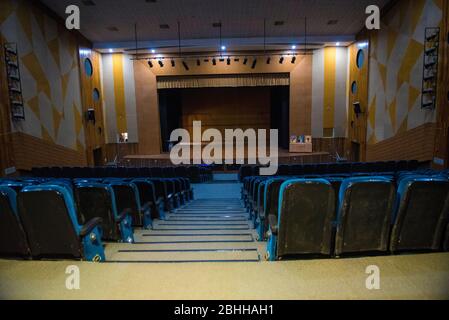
(110,23)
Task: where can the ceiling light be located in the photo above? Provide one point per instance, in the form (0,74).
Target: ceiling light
(294,59)
(198,62)
(268,60)
(223,48)
(228,61)
(113,29)
(338,44)
(293,47)
(216,24)
(214,61)
(173,63)
(153,51)
(281,60)
(164,26)
(161,64)
(332,22)
(110,50)
(279,23)
(150,63)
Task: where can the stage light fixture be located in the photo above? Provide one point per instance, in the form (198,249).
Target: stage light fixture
(294,59)
(268,60)
(198,62)
(281,60)
(293,47)
(153,51)
(214,61)
(150,63)
(245,61)
(223,48)
(338,44)
(228,61)
(185,65)
(254,64)
(161,64)
(173,63)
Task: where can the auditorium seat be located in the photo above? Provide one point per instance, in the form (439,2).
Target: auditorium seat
(422,214)
(17,186)
(160,186)
(304,222)
(149,202)
(270,205)
(49,218)
(126,199)
(181,172)
(194,174)
(98,200)
(13,240)
(364,215)
(283,170)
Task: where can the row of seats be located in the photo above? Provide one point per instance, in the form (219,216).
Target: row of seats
(196,174)
(334,216)
(334,168)
(70,218)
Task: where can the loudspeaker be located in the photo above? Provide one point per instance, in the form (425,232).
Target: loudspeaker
(357,109)
(90,115)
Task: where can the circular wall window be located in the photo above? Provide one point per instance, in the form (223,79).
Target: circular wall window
(96,95)
(88,67)
(354,87)
(360,58)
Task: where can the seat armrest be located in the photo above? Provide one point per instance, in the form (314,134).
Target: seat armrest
(90,225)
(123,215)
(273,221)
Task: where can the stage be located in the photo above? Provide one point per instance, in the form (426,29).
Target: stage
(284,157)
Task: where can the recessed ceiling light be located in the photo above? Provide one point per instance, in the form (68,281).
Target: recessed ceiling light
(279,23)
(113,29)
(332,22)
(164,26)
(216,24)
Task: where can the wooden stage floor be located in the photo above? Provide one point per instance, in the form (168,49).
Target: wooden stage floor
(284,157)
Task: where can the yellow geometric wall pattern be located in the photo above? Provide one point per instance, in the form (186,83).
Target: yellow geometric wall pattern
(49,74)
(396,66)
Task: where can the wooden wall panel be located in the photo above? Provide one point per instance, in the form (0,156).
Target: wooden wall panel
(357,126)
(32,152)
(414,144)
(117,151)
(94,132)
(226,108)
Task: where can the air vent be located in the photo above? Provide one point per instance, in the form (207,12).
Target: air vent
(164,26)
(279,23)
(332,22)
(88,2)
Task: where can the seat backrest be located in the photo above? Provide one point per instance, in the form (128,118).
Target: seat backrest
(126,199)
(95,200)
(422,214)
(160,188)
(364,214)
(271,196)
(49,218)
(305,209)
(13,240)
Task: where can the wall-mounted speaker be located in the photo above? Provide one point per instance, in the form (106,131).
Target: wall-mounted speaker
(357,109)
(90,115)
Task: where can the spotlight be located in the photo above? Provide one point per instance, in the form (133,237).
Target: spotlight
(150,63)
(185,65)
(161,64)
(228,61)
(254,64)
(294,59)
(173,63)
(293,47)
(281,60)
(214,61)
(111,51)
(153,51)
(245,61)
(223,48)
(338,44)
(198,62)
(268,60)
